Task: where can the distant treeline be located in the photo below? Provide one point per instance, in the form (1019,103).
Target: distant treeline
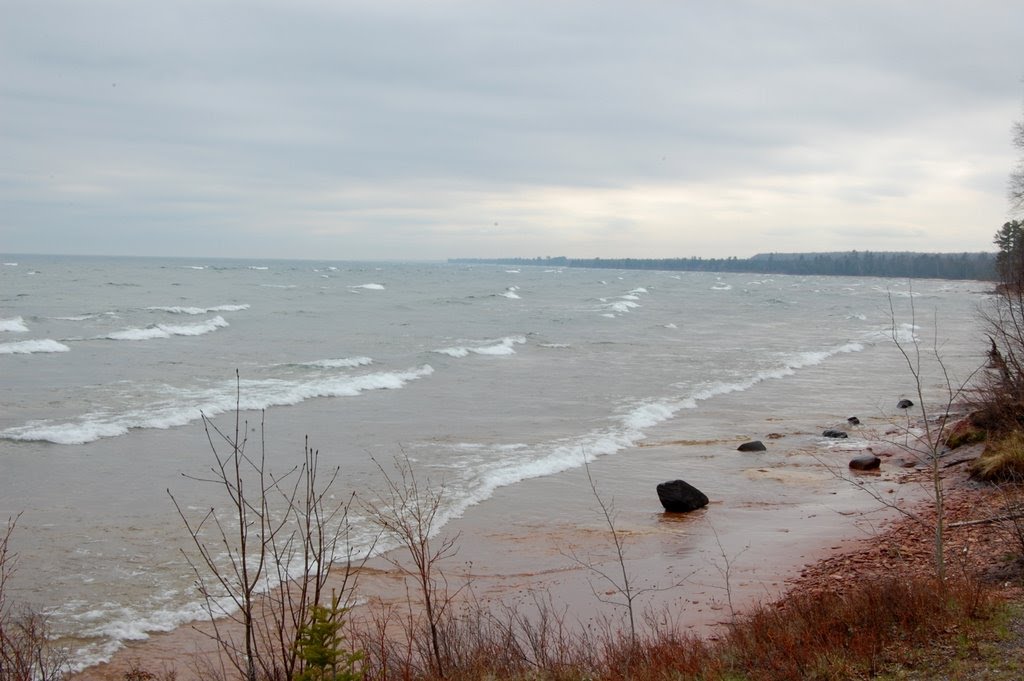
(846,263)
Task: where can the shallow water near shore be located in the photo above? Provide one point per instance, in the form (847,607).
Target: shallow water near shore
(500,382)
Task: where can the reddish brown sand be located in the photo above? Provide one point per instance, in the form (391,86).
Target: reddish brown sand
(703,574)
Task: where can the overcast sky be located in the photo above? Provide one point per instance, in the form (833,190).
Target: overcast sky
(429,129)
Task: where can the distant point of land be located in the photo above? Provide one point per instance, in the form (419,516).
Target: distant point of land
(980,266)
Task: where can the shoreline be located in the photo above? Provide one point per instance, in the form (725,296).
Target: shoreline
(713,563)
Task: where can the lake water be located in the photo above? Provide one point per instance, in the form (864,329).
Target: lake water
(483,376)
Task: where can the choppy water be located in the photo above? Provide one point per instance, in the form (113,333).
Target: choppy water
(484,376)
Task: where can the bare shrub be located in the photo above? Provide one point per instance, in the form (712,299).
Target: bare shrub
(408,511)
(26,652)
(262,566)
(923,432)
(624,586)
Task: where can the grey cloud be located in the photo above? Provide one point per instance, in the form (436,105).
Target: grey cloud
(204,107)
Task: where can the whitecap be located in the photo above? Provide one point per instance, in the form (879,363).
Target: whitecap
(13,325)
(905,334)
(30,347)
(670,325)
(177,309)
(342,363)
(370,287)
(623,306)
(167,330)
(183,407)
(511,294)
(502,347)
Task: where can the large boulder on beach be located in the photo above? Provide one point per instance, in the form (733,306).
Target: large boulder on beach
(904,404)
(755,446)
(678,496)
(867,462)
(831,432)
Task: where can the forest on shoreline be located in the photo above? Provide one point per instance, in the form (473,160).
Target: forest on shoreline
(979,266)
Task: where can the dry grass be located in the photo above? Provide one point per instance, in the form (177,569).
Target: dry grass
(1002,460)
(832,636)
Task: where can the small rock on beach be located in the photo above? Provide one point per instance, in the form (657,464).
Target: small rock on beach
(868,462)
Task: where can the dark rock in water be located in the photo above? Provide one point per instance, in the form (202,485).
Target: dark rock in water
(904,404)
(868,462)
(834,433)
(755,446)
(678,496)
(853,421)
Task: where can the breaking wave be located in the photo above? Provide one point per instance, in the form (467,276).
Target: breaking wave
(167,330)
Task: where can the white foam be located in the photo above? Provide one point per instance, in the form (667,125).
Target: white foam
(670,325)
(209,325)
(30,347)
(343,363)
(10,264)
(904,334)
(167,330)
(370,287)
(502,347)
(259,268)
(175,309)
(13,325)
(511,293)
(653,413)
(78,318)
(623,306)
(639,289)
(788,367)
(116,624)
(184,407)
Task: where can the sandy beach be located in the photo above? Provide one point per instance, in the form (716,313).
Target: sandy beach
(773,517)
